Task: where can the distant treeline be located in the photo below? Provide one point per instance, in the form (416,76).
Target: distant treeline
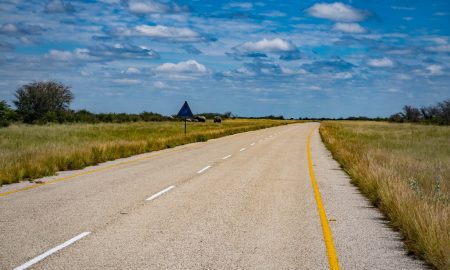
(437,114)
(48,102)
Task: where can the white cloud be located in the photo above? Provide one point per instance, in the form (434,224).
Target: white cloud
(160,85)
(403,8)
(434,69)
(269,45)
(246,5)
(337,12)
(144,7)
(68,55)
(58,6)
(342,75)
(168,32)
(8,28)
(132,70)
(440,48)
(190,66)
(381,62)
(127,81)
(349,28)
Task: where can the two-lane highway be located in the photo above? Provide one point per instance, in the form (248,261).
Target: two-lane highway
(238,202)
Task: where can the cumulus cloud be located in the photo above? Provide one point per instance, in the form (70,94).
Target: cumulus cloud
(168,32)
(246,5)
(269,45)
(349,28)
(435,69)
(381,62)
(440,48)
(132,70)
(59,6)
(284,48)
(20,29)
(127,81)
(160,85)
(337,12)
(153,7)
(122,51)
(189,66)
(61,55)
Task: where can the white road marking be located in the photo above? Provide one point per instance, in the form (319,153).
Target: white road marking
(252,144)
(204,169)
(51,251)
(242,149)
(154,196)
(226,157)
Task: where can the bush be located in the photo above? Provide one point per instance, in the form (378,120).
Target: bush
(41,101)
(6,114)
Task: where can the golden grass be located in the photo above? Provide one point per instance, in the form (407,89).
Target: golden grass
(29,152)
(405,170)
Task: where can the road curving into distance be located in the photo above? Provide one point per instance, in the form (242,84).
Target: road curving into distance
(246,201)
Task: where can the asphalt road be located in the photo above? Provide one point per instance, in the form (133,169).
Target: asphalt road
(244,201)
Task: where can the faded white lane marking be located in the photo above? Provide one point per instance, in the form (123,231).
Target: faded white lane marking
(204,169)
(242,149)
(154,196)
(252,144)
(226,157)
(51,251)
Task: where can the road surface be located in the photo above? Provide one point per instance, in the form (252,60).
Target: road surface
(244,201)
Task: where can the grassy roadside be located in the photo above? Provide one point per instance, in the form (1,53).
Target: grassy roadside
(29,152)
(405,170)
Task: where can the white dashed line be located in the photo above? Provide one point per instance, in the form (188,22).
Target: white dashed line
(242,149)
(252,144)
(51,251)
(226,157)
(154,196)
(204,169)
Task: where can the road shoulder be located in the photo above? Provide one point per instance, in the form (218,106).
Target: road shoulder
(361,235)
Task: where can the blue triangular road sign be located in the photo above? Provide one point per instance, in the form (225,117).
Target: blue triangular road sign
(185,111)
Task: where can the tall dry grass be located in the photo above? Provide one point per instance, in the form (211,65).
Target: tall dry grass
(405,170)
(29,152)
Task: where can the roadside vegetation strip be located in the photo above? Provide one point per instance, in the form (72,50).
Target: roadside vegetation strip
(30,152)
(404,170)
(327,234)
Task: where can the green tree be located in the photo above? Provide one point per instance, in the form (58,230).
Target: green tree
(6,114)
(37,100)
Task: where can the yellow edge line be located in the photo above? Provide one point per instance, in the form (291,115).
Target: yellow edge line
(327,235)
(77,175)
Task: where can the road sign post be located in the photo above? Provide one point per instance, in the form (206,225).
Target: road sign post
(185,112)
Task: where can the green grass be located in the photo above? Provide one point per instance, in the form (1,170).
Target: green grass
(405,170)
(29,152)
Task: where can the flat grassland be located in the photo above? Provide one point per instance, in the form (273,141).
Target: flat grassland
(29,152)
(405,170)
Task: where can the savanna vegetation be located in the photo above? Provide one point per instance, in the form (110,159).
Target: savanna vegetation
(404,169)
(32,151)
(436,114)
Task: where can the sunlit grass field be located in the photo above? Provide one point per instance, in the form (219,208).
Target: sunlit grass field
(29,152)
(405,170)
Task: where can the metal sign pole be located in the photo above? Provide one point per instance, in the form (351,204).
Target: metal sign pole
(185,127)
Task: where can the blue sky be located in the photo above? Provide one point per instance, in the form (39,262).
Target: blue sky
(295,58)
